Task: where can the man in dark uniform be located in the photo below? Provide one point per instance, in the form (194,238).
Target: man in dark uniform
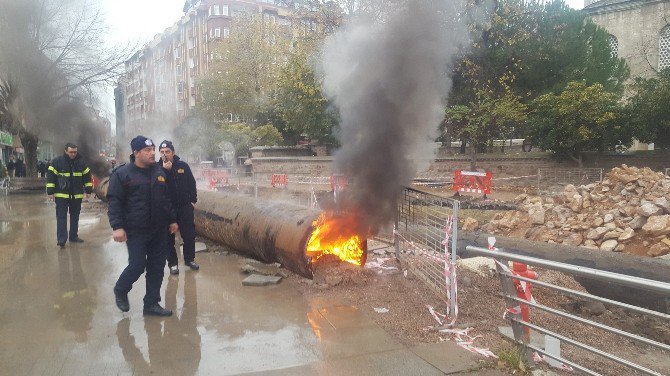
(183,194)
(11,165)
(68,179)
(140,213)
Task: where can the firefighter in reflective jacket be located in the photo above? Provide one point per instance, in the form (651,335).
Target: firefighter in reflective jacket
(68,180)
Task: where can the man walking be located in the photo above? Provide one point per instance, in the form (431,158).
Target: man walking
(68,179)
(140,213)
(183,194)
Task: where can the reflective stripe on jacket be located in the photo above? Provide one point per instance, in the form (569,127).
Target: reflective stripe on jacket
(69,178)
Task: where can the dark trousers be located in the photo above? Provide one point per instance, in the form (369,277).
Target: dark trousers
(63,205)
(146,251)
(187,231)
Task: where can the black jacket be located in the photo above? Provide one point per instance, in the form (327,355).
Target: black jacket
(181,183)
(68,178)
(138,199)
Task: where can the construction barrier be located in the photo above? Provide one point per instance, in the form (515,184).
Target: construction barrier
(472,182)
(279,180)
(338,182)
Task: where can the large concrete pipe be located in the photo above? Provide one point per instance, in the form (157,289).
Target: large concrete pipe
(100,188)
(266,230)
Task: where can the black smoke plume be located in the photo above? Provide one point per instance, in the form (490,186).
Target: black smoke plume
(389,77)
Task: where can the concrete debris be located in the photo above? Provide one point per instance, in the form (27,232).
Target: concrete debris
(250,266)
(629,210)
(261,280)
(483,266)
(470,224)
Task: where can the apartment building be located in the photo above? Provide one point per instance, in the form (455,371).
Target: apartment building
(159,88)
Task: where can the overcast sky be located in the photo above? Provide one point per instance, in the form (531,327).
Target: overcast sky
(139,20)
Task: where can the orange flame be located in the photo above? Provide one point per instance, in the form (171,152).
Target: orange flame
(336,236)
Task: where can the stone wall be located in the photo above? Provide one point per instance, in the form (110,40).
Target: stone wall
(501,166)
(636,26)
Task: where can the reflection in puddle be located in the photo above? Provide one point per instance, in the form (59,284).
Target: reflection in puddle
(5,226)
(86,222)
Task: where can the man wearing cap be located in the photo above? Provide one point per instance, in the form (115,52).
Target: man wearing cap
(181,184)
(140,212)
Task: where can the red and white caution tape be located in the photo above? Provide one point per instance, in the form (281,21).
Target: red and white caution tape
(449,271)
(543,358)
(466,341)
(524,285)
(379,265)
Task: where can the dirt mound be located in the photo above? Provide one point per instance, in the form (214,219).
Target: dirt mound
(627,212)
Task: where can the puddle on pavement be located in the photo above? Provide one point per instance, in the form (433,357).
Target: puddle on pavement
(86,222)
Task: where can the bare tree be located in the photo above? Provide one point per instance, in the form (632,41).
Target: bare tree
(53,54)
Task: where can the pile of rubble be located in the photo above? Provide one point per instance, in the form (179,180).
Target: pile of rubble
(627,212)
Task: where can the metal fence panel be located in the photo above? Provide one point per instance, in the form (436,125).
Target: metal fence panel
(553,180)
(508,279)
(425,224)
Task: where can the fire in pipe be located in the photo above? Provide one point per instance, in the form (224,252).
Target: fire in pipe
(275,231)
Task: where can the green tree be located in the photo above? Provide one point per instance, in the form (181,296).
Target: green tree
(243,75)
(581,118)
(242,136)
(266,135)
(486,118)
(543,45)
(649,107)
(299,100)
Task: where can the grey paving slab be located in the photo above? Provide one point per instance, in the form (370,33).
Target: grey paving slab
(447,356)
(396,362)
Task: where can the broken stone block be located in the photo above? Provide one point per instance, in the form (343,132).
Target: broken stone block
(261,280)
(574,239)
(470,224)
(536,214)
(657,225)
(637,223)
(648,209)
(609,245)
(627,234)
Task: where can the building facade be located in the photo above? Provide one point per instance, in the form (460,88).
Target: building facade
(159,88)
(639,31)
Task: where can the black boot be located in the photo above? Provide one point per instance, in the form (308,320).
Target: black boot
(192,265)
(156,310)
(122,302)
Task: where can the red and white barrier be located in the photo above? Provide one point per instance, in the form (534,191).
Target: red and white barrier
(472,182)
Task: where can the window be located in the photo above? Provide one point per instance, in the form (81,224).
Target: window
(177,53)
(214,10)
(225,10)
(226,32)
(614,46)
(217,32)
(664,48)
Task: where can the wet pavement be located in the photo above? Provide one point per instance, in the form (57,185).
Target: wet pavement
(58,317)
